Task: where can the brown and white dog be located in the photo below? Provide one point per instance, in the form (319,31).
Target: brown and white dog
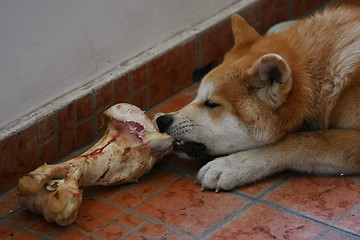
(284,101)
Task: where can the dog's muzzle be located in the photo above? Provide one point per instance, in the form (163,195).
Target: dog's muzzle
(183,148)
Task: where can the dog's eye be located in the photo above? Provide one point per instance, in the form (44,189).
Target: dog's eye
(211,104)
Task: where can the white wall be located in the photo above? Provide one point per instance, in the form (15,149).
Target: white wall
(50,47)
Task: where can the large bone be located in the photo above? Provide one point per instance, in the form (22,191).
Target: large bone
(128,150)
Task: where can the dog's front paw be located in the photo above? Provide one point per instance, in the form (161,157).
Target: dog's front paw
(219,174)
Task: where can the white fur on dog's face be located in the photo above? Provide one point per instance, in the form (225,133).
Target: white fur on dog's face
(223,134)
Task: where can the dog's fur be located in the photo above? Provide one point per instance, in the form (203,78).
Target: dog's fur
(284,101)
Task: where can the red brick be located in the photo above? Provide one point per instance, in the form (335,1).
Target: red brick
(85,132)
(139,77)
(66,130)
(84,107)
(282,3)
(252,12)
(100,121)
(268,14)
(122,89)
(46,127)
(282,15)
(172,71)
(297,9)
(215,42)
(48,152)
(103,97)
(310,5)
(140,98)
(18,157)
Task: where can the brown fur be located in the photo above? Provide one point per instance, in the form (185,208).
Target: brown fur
(277,86)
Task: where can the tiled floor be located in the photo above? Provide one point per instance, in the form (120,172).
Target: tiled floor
(167,204)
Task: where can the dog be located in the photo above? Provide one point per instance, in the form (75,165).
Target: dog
(289,100)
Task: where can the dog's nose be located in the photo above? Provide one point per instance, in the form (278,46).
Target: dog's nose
(164,122)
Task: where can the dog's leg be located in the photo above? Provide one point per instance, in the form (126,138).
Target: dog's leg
(327,152)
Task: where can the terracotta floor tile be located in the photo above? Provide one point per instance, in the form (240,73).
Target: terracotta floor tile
(130,220)
(111,231)
(332,235)
(135,236)
(25,235)
(146,187)
(350,222)
(177,236)
(186,207)
(164,177)
(263,222)
(90,238)
(13,197)
(68,233)
(174,103)
(105,192)
(6,208)
(258,187)
(188,166)
(95,213)
(7,230)
(44,227)
(24,218)
(154,230)
(326,198)
(128,199)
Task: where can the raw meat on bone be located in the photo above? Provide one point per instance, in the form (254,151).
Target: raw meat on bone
(128,150)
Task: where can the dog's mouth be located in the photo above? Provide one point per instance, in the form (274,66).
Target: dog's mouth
(189,149)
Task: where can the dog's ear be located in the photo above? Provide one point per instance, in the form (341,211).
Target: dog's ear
(244,34)
(271,78)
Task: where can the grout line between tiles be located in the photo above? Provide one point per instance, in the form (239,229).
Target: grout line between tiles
(228,219)
(276,185)
(132,211)
(351,212)
(304,216)
(151,220)
(253,200)
(26,229)
(321,235)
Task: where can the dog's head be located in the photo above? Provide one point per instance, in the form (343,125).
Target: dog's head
(241,104)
